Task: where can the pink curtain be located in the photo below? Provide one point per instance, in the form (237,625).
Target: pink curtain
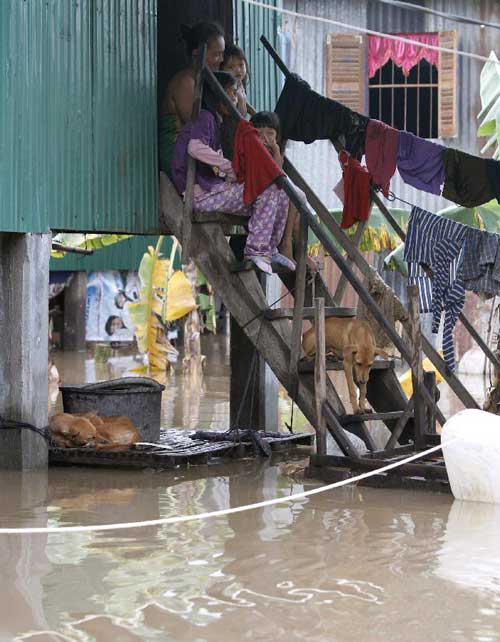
(403,54)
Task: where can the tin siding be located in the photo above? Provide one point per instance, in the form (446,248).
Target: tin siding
(318,161)
(78,117)
(250,23)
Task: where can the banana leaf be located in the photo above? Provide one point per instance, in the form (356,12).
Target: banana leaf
(148,312)
(180,299)
(489,115)
(86,241)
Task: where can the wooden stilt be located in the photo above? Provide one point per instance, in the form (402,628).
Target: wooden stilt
(417,373)
(298,310)
(320,375)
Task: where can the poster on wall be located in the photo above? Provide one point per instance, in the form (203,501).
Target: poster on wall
(108,296)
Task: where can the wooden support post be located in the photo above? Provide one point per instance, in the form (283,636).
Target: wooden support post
(430,384)
(298,310)
(74,312)
(191,163)
(399,427)
(320,375)
(417,373)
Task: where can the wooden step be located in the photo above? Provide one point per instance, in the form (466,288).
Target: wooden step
(247,266)
(219,217)
(346,420)
(307,367)
(287,313)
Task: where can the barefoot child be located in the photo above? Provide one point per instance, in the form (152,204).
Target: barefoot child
(236,63)
(215,186)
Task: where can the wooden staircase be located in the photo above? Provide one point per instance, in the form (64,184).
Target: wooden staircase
(276,333)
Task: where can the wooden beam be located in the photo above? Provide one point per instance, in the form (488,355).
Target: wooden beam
(425,470)
(334,364)
(400,425)
(417,372)
(287,313)
(320,375)
(430,384)
(347,420)
(191,162)
(338,434)
(298,310)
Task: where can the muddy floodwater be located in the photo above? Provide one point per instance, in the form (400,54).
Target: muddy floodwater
(352,564)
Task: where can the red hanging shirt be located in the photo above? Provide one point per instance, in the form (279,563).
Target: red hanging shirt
(253,164)
(356,191)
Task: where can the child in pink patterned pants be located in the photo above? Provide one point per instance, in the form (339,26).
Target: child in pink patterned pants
(267,214)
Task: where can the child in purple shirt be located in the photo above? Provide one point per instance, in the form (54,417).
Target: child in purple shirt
(215,183)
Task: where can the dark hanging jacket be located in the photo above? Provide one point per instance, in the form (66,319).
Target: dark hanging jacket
(307,116)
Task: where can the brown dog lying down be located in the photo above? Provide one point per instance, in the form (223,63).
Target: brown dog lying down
(105,433)
(352,340)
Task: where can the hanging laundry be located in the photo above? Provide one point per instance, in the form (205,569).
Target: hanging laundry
(420,162)
(466,179)
(493,173)
(380,149)
(481,267)
(307,116)
(437,243)
(357,200)
(252,163)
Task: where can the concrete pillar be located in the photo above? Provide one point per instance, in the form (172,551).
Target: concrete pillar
(75,298)
(24,297)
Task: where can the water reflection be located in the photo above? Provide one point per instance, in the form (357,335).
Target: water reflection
(331,567)
(469,552)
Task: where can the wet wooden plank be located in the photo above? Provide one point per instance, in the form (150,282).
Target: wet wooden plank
(330,311)
(178,450)
(335,364)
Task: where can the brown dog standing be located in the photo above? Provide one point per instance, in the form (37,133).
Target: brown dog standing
(352,340)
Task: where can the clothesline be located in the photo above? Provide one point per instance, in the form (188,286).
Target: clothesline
(447,16)
(370,32)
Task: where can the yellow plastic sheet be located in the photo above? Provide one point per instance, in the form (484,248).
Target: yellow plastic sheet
(405,379)
(180,299)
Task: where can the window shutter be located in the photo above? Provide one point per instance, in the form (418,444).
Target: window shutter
(447,78)
(346,77)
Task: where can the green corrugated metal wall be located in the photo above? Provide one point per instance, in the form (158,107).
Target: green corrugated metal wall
(250,23)
(78,116)
(125,255)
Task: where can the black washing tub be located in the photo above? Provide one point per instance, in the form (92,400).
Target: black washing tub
(138,398)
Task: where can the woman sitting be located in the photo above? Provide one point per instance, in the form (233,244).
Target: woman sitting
(177,103)
(215,187)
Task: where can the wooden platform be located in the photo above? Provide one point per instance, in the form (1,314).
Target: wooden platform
(178,450)
(428,473)
(335,364)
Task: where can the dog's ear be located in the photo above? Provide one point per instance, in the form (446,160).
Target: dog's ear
(351,349)
(382,353)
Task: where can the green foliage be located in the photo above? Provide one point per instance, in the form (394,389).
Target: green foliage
(86,241)
(490,105)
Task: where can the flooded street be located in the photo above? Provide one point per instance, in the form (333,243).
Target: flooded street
(347,565)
